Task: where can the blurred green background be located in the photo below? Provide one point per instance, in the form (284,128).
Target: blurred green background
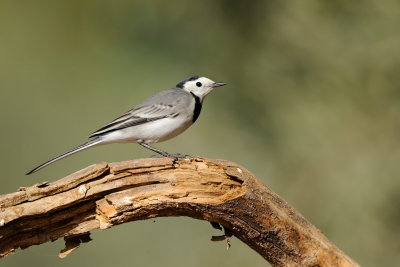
(312,108)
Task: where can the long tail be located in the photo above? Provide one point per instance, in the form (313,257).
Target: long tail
(84,146)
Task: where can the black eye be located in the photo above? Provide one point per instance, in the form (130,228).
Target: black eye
(198,84)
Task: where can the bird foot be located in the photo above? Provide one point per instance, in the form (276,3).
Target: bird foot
(178,156)
(175,156)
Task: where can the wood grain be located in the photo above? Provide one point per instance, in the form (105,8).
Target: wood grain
(104,195)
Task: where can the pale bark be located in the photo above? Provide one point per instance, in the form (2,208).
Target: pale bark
(218,191)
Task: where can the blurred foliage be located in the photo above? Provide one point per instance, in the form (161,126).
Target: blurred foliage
(312,108)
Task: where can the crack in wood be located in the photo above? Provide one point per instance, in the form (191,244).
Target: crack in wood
(105,195)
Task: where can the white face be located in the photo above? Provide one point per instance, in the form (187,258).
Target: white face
(201,86)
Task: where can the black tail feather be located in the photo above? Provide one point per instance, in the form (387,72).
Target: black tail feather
(84,146)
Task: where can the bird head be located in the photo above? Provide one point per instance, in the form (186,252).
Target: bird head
(199,86)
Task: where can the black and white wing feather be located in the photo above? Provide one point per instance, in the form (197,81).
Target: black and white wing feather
(137,116)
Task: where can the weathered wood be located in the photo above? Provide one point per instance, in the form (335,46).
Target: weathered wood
(218,191)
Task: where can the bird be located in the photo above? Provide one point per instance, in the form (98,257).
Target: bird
(157,119)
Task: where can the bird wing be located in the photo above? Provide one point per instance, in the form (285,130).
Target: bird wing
(137,116)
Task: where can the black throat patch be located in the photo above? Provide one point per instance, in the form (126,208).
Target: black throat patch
(197,107)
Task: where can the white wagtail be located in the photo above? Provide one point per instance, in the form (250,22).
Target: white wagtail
(159,118)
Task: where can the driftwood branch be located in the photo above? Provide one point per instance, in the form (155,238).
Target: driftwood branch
(217,191)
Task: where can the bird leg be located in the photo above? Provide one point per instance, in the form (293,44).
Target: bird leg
(162,153)
(180,156)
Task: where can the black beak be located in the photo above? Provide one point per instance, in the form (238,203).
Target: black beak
(218,84)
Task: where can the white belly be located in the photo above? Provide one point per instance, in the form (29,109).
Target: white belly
(150,132)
